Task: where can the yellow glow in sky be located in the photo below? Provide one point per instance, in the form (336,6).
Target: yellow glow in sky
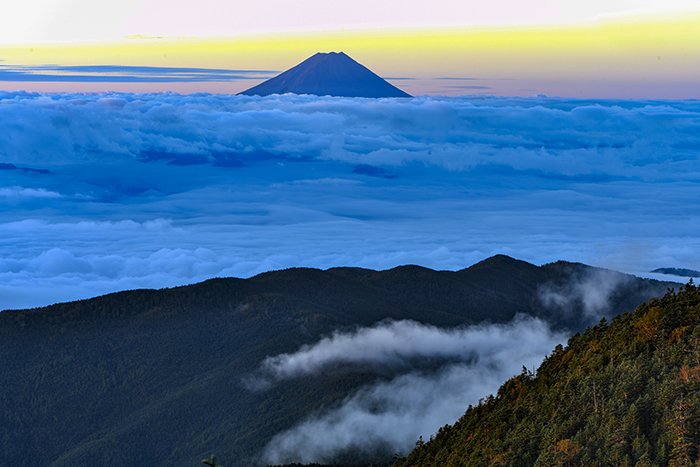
(616,57)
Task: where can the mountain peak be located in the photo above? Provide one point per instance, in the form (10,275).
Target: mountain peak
(328,74)
(501,261)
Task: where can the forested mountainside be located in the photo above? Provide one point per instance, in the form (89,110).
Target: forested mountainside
(153,377)
(624,393)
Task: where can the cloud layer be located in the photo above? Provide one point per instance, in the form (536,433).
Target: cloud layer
(389,416)
(121,191)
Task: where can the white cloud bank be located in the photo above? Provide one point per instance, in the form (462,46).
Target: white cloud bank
(390,416)
(396,343)
(164,189)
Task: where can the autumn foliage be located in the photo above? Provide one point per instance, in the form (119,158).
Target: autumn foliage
(624,393)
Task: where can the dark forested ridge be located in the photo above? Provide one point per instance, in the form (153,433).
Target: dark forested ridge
(625,393)
(152,377)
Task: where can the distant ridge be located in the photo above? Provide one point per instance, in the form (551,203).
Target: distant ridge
(328,74)
(681,272)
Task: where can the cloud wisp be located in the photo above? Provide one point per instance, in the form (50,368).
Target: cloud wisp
(388,417)
(218,185)
(393,343)
(591,290)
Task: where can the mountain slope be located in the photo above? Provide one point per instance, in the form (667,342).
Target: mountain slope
(160,370)
(328,74)
(625,394)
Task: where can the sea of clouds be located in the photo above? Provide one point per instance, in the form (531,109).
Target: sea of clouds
(104,192)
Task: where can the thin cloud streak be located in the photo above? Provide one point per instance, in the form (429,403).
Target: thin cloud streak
(124,74)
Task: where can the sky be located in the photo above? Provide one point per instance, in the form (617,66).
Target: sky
(86,20)
(613,48)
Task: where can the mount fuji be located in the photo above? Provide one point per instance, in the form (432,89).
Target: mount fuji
(328,74)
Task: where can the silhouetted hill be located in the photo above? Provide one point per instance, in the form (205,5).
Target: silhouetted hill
(152,377)
(328,74)
(681,272)
(624,394)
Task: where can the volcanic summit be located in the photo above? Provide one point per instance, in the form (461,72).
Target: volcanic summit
(328,74)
